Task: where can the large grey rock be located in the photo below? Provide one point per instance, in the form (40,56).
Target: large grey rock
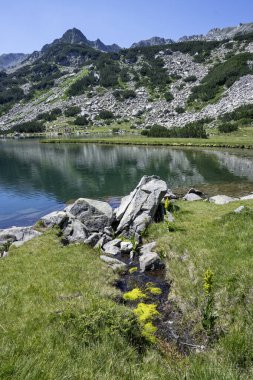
(95,215)
(150,261)
(55,218)
(222,199)
(191,197)
(18,235)
(137,209)
(75,232)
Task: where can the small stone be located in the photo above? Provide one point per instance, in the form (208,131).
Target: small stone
(192,197)
(239,209)
(126,247)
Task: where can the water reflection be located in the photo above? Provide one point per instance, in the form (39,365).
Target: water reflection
(36,177)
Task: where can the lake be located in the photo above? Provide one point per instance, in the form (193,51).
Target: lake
(36,178)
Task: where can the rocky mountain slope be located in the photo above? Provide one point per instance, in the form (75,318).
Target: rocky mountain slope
(171,85)
(10,60)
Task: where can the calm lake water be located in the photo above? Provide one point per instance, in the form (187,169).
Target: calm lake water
(36,178)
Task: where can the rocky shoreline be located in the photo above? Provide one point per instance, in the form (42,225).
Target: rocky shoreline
(112,231)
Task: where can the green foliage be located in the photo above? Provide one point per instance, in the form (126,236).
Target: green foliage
(33,126)
(168,96)
(82,85)
(105,115)
(242,115)
(51,115)
(81,120)
(191,130)
(227,127)
(190,78)
(223,74)
(134,295)
(180,110)
(72,111)
(95,324)
(209,316)
(122,95)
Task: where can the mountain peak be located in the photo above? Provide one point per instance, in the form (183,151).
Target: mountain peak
(73,36)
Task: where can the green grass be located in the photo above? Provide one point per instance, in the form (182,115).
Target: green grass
(243,138)
(208,236)
(59,320)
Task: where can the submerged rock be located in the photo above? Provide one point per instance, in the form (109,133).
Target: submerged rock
(138,209)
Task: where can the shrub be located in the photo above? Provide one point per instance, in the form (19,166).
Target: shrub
(190,78)
(179,109)
(168,96)
(33,126)
(190,130)
(81,120)
(122,95)
(72,111)
(227,127)
(105,115)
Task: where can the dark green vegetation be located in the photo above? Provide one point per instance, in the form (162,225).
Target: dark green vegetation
(122,95)
(227,127)
(191,130)
(59,318)
(72,111)
(33,126)
(242,116)
(221,76)
(81,120)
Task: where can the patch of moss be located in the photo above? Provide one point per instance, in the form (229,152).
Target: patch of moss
(154,290)
(145,312)
(148,331)
(134,295)
(132,270)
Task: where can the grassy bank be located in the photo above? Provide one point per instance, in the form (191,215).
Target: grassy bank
(239,139)
(59,320)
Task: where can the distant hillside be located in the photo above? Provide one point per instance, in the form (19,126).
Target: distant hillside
(73,80)
(11,60)
(218,34)
(152,42)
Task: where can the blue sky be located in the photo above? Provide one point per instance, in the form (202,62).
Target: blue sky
(26,25)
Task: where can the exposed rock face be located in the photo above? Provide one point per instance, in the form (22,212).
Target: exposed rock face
(152,42)
(137,210)
(219,34)
(95,215)
(55,218)
(150,261)
(17,235)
